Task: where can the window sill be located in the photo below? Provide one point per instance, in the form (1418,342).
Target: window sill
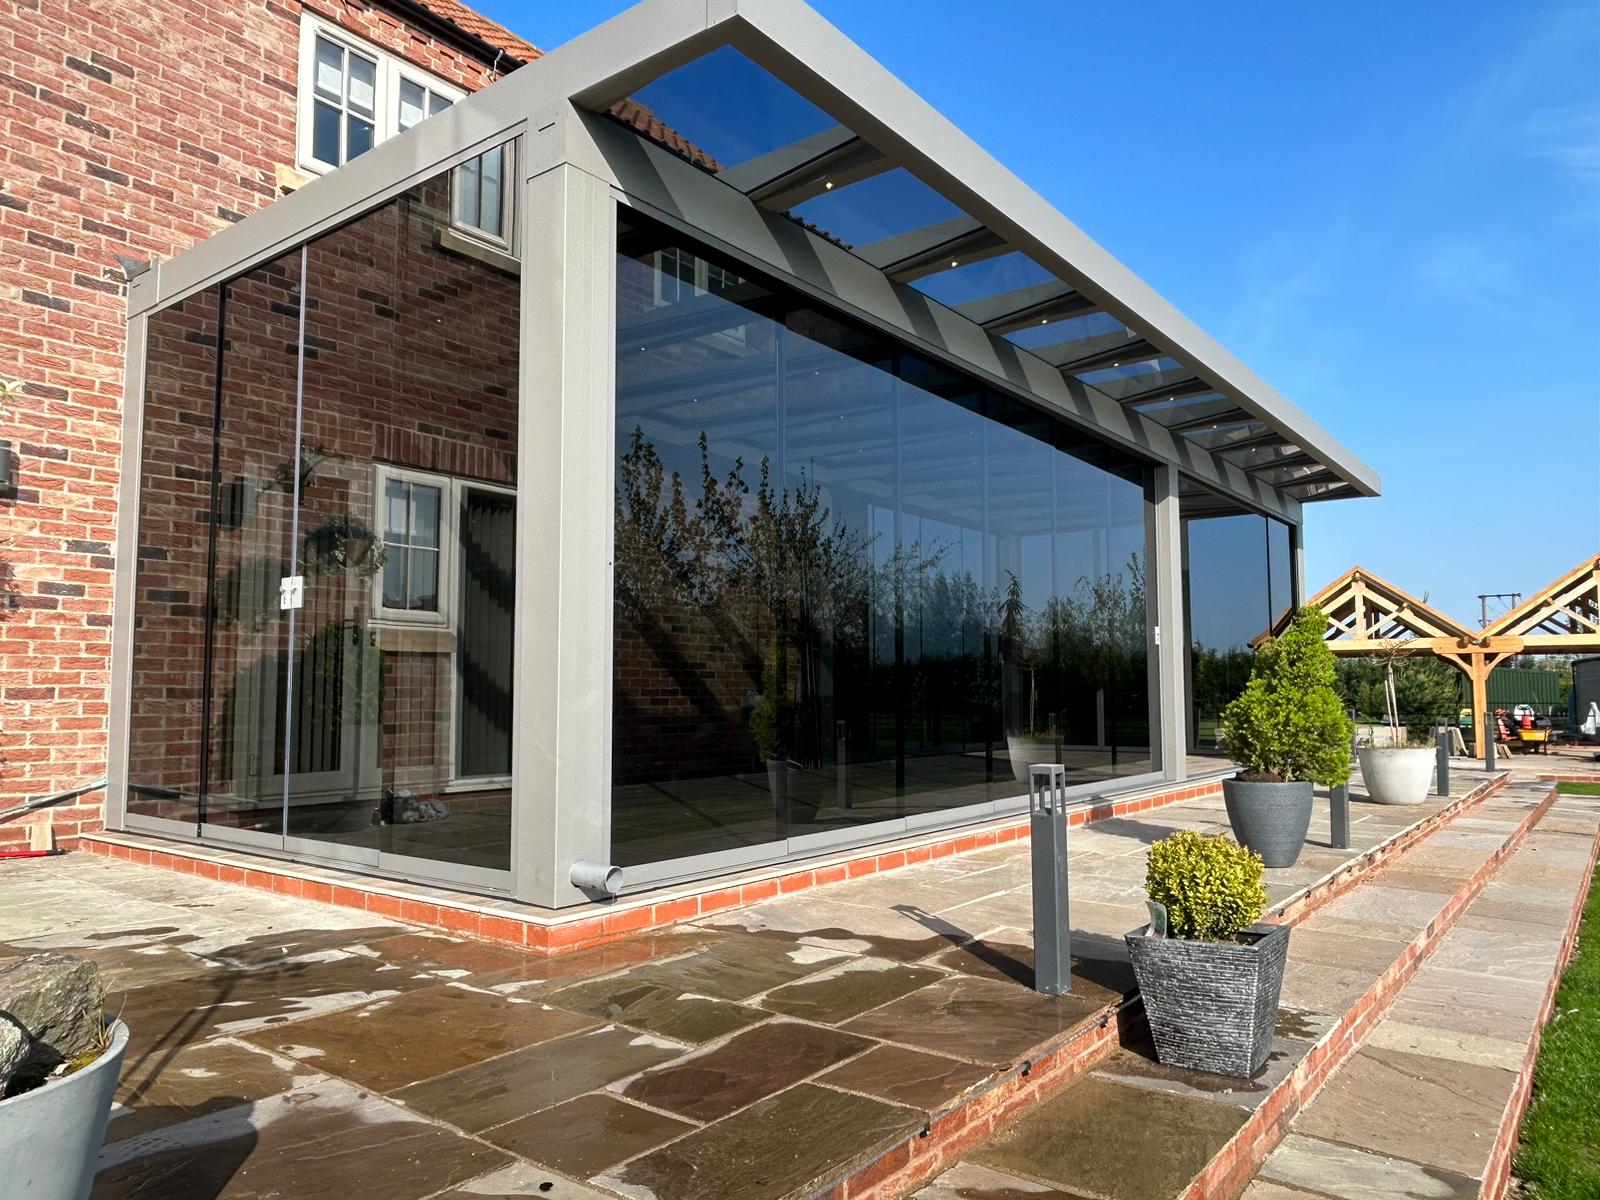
(413,639)
(466,247)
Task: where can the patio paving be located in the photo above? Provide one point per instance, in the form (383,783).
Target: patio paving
(1429,1087)
(285,1048)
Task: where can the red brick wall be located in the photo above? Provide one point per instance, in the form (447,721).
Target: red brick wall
(137,127)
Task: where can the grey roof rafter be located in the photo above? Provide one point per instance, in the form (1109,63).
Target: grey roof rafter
(1038,304)
(1127,391)
(797,172)
(925,251)
(1099,352)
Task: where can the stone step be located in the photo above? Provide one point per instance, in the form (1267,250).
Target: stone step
(1131,1129)
(1433,1100)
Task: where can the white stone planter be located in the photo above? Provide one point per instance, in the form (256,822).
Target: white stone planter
(1397,776)
(50,1137)
(1025,751)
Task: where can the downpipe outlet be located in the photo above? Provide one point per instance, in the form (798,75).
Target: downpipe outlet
(603,878)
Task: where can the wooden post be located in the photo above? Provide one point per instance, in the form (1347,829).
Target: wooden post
(1480,704)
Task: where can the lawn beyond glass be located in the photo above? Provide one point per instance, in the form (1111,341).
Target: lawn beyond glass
(1560,1153)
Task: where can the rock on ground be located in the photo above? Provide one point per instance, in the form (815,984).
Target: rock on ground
(58,1002)
(13,1049)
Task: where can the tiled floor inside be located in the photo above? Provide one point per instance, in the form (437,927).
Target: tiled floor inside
(281,1048)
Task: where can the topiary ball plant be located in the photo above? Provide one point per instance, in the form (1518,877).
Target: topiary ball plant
(1289,725)
(1210,886)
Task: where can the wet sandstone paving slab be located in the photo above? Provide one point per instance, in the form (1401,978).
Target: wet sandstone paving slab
(750,1055)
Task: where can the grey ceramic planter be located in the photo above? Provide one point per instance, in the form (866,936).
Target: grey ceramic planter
(1212,1006)
(1269,818)
(50,1137)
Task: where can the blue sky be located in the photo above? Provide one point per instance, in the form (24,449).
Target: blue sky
(1390,211)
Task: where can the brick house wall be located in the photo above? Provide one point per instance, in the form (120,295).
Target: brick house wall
(136,128)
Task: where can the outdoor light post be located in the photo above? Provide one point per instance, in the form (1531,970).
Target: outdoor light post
(1052,938)
(1488,741)
(1443,740)
(1339,816)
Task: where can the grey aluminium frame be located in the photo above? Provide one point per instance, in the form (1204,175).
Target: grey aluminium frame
(575,167)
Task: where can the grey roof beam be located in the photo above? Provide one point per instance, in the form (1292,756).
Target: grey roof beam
(1097,353)
(1270,438)
(1168,391)
(795,173)
(1300,459)
(1038,304)
(932,249)
(1236,417)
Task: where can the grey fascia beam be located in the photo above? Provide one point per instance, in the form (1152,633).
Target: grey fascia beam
(1038,304)
(797,172)
(797,45)
(928,251)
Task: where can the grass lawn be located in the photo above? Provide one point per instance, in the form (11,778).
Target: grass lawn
(1559,1158)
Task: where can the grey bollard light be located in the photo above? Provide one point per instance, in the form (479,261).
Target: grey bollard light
(596,877)
(1443,741)
(1488,741)
(1339,816)
(1052,937)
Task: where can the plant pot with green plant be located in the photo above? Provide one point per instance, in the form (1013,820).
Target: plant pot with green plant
(1208,973)
(1287,731)
(1401,770)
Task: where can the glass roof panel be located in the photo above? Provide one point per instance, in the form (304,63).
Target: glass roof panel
(1053,333)
(987,277)
(883,206)
(692,102)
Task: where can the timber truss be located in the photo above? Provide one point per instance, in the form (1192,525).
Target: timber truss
(1369,615)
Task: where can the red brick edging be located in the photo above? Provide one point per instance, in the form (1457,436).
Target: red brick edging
(1497,1176)
(545,931)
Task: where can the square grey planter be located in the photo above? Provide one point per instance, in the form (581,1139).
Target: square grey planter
(1212,1005)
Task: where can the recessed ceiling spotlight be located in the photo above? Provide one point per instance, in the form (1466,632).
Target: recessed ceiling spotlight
(954,263)
(828,186)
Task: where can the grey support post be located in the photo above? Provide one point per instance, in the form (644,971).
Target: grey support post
(1443,740)
(1488,741)
(1052,937)
(1339,816)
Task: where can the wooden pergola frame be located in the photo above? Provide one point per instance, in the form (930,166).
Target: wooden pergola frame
(1369,615)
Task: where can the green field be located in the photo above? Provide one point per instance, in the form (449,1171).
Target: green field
(1559,1158)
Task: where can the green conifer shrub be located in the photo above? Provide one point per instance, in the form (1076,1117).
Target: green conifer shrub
(1289,725)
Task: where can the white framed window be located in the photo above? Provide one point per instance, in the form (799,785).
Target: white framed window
(480,197)
(683,275)
(353,95)
(417,515)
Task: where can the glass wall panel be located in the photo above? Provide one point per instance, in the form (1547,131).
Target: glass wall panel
(402,693)
(167,745)
(1238,581)
(851,586)
(343,507)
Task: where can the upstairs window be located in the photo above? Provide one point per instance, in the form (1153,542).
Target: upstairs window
(354,95)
